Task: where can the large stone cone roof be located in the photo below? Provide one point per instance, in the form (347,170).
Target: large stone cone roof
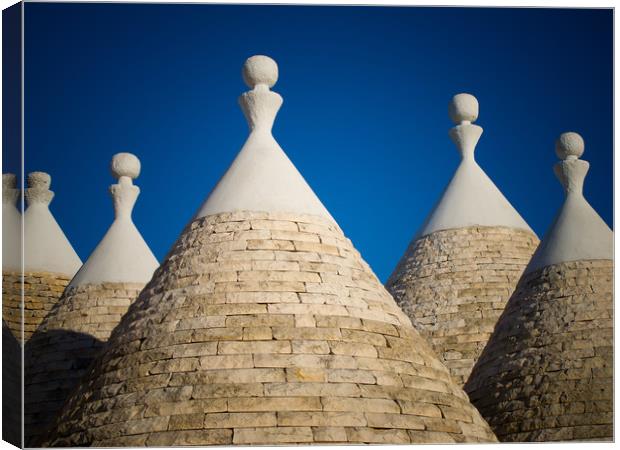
(464,263)
(547,371)
(265,327)
(74,332)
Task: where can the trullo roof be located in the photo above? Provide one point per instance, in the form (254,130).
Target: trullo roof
(73,333)
(546,373)
(265,326)
(458,272)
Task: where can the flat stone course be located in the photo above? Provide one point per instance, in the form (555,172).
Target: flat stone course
(59,354)
(454,284)
(41,291)
(547,371)
(289,347)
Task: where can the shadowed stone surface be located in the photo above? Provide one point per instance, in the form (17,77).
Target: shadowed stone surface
(41,292)
(547,372)
(266,328)
(454,285)
(11,387)
(60,352)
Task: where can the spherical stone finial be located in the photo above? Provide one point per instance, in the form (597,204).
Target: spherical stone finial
(8,181)
(463,108)
(39,180)
(125,165)
(260,69)
(569,145)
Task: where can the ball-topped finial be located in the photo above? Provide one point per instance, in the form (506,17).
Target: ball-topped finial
(8,181)
(463,108)
(260,69)
(39,180)
(569,145)
(125,165)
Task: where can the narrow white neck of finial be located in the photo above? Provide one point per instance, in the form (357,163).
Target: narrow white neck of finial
(572,173)
(39,196)
(260,107)
(466,136)
(124,195)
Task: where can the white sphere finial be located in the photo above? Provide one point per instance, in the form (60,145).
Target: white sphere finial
(569,145)
(125,165)
(260,69)
(463,108)
(39,180)
(8,181)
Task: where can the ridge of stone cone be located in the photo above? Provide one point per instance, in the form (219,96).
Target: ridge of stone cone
(454,284)
(265,328)
(546,373)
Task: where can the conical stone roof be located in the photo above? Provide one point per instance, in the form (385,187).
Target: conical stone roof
(49,261)
(547,371)
(464,263)
(265,326)
(74,332)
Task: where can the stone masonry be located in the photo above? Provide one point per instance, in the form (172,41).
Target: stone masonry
(454,285)
(265,328)
(60,352)
(11,387)
(41,292)
(547,372)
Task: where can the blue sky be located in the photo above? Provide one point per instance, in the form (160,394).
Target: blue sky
(364,118)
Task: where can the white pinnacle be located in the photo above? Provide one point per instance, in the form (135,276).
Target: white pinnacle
(261,178)
(122,256)
(471,198)
(46,248)
(11,225)
(577,232)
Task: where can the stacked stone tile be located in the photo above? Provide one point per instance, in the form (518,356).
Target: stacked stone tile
(265,326)
(49,260)
(11,387)
(74,332)
(462,266)
(547,371)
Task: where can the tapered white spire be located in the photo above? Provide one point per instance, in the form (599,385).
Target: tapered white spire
(471,198)
(577,232)
(122,256)
(11,225)
(46,248)
(262,178)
